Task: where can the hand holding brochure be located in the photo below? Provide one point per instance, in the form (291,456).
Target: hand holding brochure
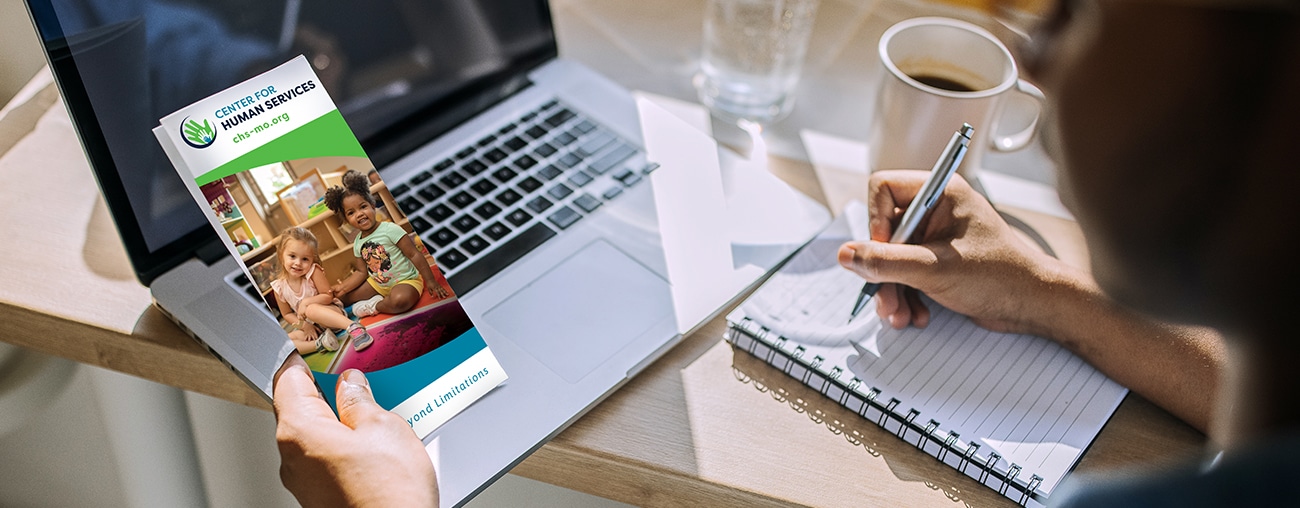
(295,199)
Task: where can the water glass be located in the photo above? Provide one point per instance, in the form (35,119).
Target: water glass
(753,52)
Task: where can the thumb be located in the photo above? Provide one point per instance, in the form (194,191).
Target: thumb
(356,403)
(888,262)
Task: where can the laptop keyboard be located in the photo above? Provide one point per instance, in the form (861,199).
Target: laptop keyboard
(498,198)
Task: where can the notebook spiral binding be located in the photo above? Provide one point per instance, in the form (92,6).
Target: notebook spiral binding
(930,438)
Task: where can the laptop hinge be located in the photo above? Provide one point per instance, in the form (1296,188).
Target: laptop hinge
(212,252)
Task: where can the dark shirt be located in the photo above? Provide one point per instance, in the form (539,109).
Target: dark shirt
(1264,474)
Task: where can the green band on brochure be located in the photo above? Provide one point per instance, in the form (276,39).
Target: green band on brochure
(394,385)
(326,136)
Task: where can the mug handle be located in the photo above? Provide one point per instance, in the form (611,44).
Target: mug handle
(1021,139)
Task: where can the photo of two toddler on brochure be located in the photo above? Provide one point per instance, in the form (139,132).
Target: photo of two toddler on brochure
(350,281)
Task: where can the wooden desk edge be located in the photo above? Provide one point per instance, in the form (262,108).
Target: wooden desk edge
(159,351)
(162,354)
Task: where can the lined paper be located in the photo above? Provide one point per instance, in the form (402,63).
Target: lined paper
(1023,397)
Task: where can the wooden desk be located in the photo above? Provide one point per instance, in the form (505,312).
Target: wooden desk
(684,432)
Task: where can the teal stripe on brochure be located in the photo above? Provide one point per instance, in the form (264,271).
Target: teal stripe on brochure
(394,385)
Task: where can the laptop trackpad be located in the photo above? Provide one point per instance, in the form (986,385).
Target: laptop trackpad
(576,316)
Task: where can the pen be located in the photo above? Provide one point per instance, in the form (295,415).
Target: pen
(924,201)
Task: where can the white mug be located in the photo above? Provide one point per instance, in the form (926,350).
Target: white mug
(939,74)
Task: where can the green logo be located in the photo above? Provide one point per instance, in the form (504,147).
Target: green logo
(198,135)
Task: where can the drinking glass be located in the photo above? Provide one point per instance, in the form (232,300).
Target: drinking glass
(753,52)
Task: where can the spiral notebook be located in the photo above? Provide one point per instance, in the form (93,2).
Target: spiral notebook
(1014,412)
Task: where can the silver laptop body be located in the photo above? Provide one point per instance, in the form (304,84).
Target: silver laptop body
(578,312)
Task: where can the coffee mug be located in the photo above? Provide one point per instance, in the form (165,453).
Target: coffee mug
(939,74)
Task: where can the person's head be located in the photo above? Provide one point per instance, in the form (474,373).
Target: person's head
(1174,122)
(297,249)
(353,201)
(373,176)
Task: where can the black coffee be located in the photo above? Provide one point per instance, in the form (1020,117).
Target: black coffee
(943,83)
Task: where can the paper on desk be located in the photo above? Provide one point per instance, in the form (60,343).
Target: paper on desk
(841,167)
(1024,397)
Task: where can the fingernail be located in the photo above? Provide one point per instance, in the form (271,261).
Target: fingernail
(847,255)
(354,377)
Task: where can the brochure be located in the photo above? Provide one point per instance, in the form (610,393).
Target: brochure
(296,200)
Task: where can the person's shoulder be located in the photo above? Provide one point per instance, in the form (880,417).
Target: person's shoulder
(391,230)
(1248,477)
(277,286)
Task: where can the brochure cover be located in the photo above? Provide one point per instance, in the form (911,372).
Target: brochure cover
(296,200)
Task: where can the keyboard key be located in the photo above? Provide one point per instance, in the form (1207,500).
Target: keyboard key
(528,117)
(545,149)
(400,189)
(632,180)
(421,177)
(649,167)
(487,140)
(487,210)
(474,167)
(484,187)
(515,143)
(410,205)
(548,105)
(550,172)
(509,197)
(564,217)
(573,131)
(499,258)
(565,138)
(462,199)
(505,130)
(538,204)
(431,192)
(623,175)
(535,132)
(579,178)
(587,202)
(465,223)
(570,160)
(504,175)
(525,162)
(420,225)
(443,237)
(557,119)
(560,191)
(593,145)
(442,166)
(609,160)
(474,244)
(519,217)
(450,259)
(453,180)
(496,230)
(611,192)
(469,150)
(494,155)
(529,185)
(440,213)
(586,126)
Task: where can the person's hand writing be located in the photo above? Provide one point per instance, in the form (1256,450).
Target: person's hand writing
(966,258)
(365,457)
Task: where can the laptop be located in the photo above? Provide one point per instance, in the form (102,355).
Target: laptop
(586,230)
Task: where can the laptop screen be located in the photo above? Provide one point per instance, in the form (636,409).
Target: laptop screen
(401,72)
